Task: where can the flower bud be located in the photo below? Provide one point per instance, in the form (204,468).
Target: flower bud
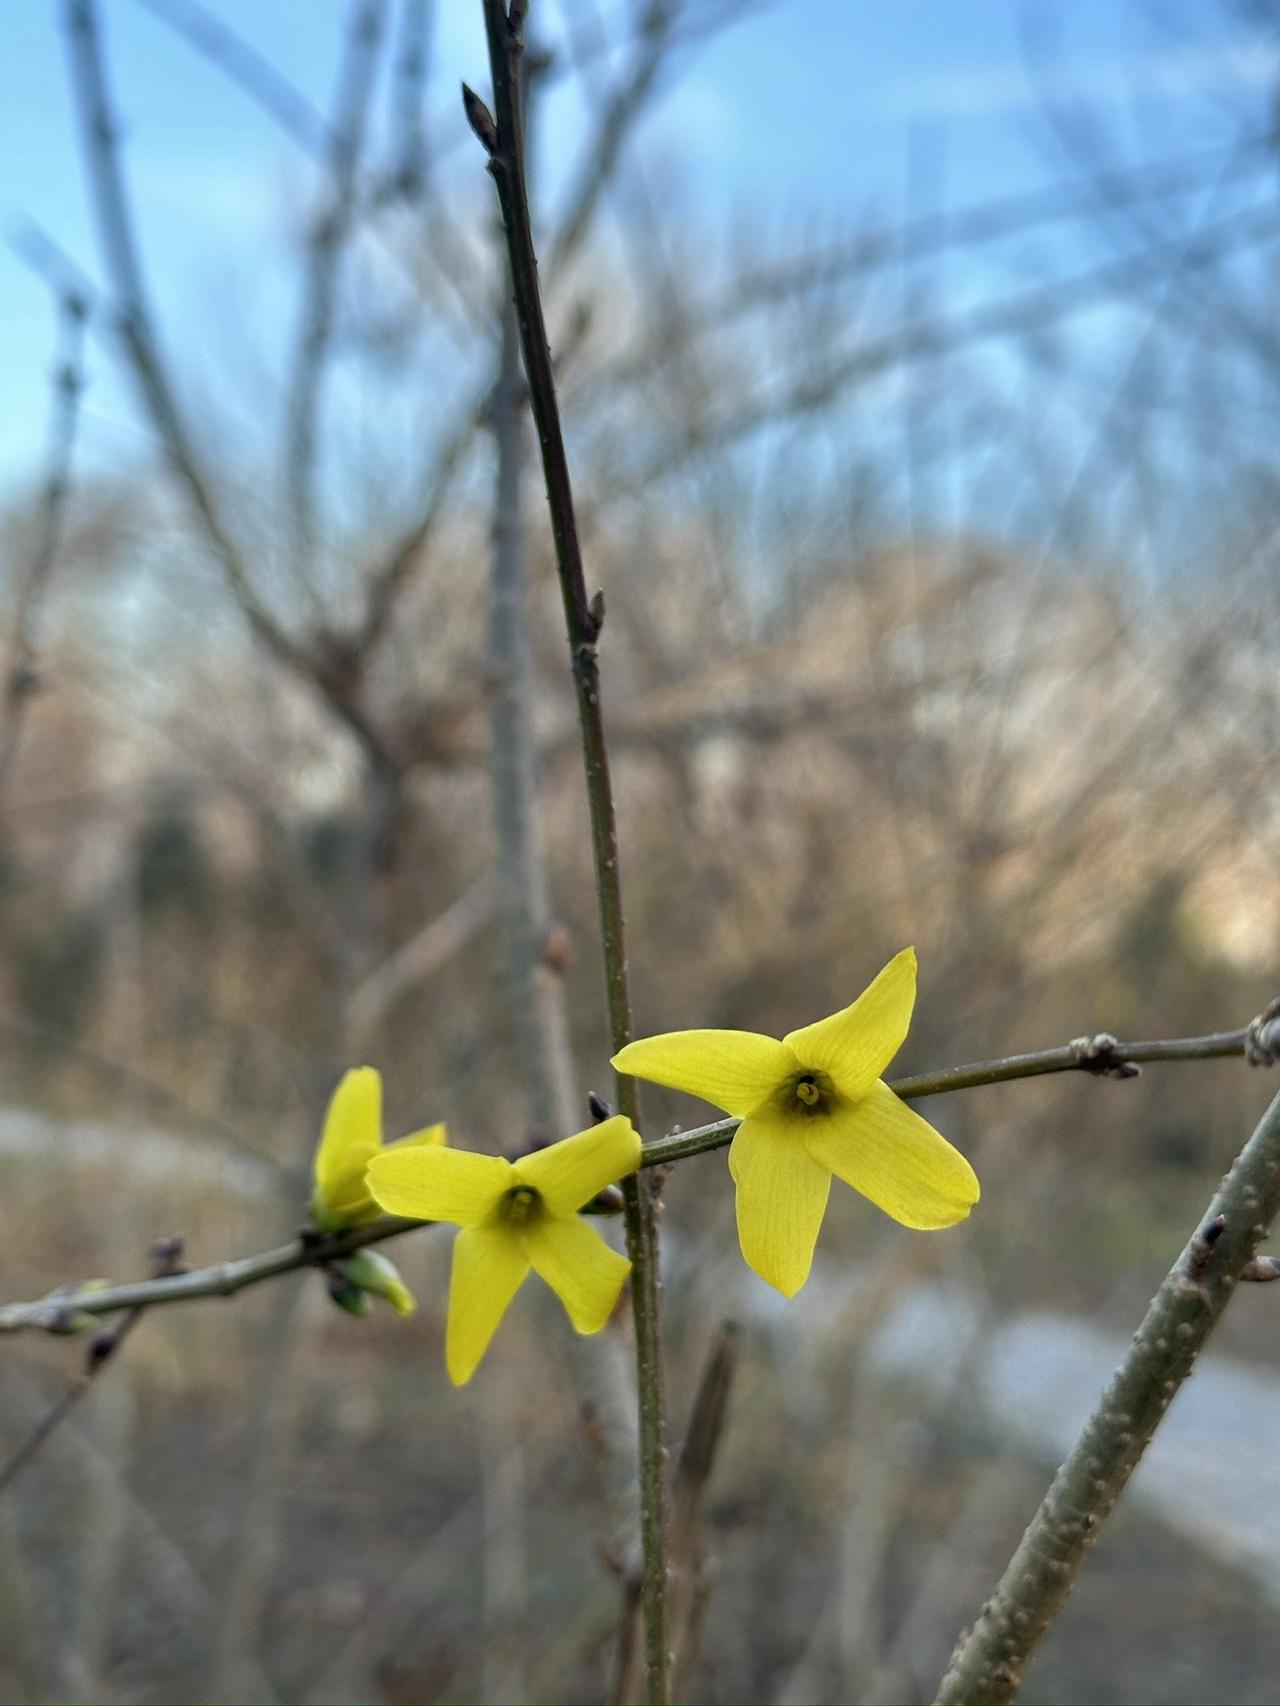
(372,1272)
(69,1319)
(73,1321)
(608,1201)
(349,1297)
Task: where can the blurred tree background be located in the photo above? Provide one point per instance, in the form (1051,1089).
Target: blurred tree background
(935,512)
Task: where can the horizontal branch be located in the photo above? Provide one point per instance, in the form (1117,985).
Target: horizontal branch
(166,1261)
(60,1311)
(1101,1055)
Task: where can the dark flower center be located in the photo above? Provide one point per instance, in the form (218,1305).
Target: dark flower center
(810,1093)
(520,1205)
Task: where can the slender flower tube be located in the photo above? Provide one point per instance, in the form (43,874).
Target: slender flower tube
(513,1216)
(811,1106)
(352,1136)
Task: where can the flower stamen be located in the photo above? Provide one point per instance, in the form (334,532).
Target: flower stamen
(520,1205)
(807,1091)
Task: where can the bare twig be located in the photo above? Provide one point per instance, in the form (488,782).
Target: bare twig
(134,319)
(534,989)
(971,227)
(291,109)
(503,141)
(21,675)
(320,287)
(158,1559)
(50,1314)
(535,983)
(990,1660)
(392,574)
(1022,312)
(165,1261)
(135,327)
(409,173)
(36,1033)
(55,1313)
(1102,1056)
(691,1588)
(255,1500)
(602,152)
(344,1673)
(425,952)
(261,80)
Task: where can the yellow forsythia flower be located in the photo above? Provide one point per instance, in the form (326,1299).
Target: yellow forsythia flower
(813,1105)
(352,1136)
(515,1215)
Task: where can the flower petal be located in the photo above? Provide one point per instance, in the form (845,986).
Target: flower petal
(488,1268)
(424,1139)
(585,1274)
(435,1183)
(569,1173)
(737,1070)
(887,1151)
(351,1136)
(855,1045)
(782,1196)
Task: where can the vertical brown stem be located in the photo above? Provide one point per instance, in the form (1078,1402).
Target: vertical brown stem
(501,135)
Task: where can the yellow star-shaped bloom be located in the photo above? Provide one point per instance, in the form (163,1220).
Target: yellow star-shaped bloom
(352,1136)
(515,1215)
(813,1105)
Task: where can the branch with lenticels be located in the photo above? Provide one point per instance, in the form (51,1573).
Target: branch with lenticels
(1101,1056)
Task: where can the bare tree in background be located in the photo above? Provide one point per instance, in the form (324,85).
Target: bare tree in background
(988,747)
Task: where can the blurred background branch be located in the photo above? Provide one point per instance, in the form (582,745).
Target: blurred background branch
(923,444)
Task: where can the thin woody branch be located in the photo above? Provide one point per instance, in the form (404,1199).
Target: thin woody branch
(166,1259)
(134,325)
(990,1660)
(692,1477)
(534,986)
(133,314)
(409,173)
(1023,312)
(690,1576)
(1102,1056)
(615,122)
(1258,1042)
(21,670)
(320,292)
(501,134)
(246,69)
(61,1310)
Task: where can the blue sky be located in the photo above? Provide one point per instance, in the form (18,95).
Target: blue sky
(807,110)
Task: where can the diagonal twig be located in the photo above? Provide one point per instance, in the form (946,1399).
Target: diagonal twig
(690,1565)
(21,677)
(989,1661)
(320,286)
(250,70)
(690,1587)
(165,1262)
(134,325)
(616,120)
